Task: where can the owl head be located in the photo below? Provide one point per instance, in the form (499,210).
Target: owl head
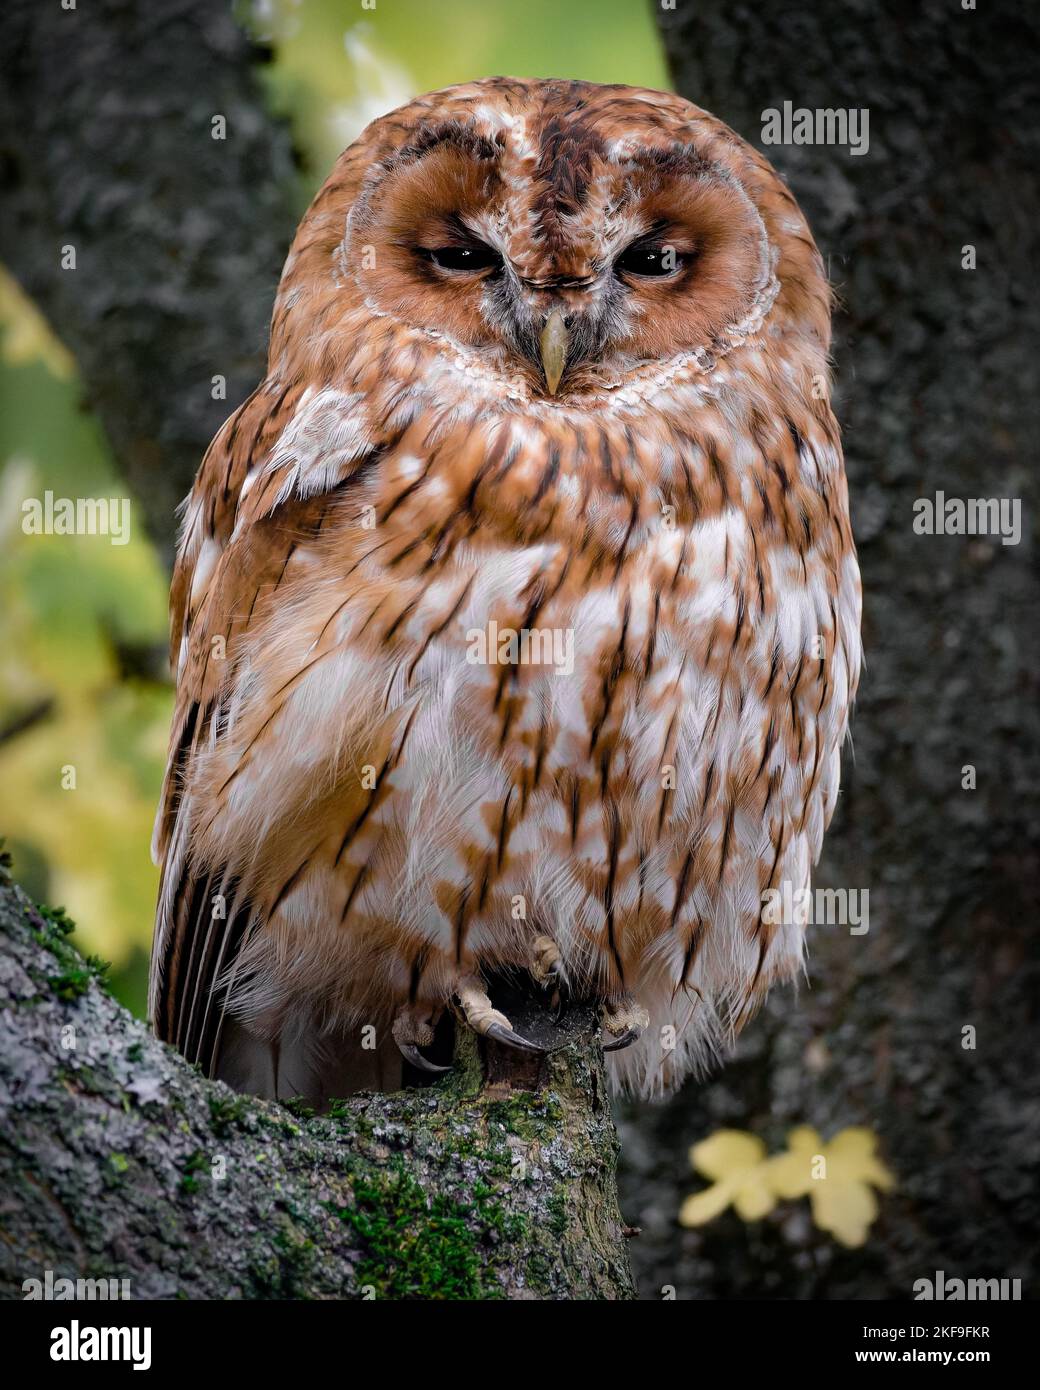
(559,234)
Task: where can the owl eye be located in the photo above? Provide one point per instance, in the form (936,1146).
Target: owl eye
(475,255)
(649,260)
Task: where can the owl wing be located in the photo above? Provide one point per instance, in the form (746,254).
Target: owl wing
(259,493)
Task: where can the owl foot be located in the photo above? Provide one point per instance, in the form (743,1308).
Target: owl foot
(545,965)
(412,1031)
(486,1020)
(546,970)
(626,1021)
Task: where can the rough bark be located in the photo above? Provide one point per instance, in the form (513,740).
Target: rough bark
(107,146)
(118,1160)
(938,385)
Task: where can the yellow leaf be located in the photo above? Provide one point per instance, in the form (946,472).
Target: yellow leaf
(789,1174)
(854,1148)
(753,1200)
(737,1162)
(838,1177)
(840,1188)
(805,1139)
(846,1210)
(704,1206)
(726,1152)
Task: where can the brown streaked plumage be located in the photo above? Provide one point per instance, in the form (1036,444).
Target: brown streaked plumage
(547,359)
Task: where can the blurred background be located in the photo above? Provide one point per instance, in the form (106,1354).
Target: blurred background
(114,377)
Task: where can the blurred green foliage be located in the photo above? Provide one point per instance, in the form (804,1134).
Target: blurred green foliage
(79,615)
(337,66)
(83,621)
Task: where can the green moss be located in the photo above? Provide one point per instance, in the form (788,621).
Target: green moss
(419,1246)
(91,1080)
(557,1208)
(196,1163)
(526,1114)
(537,1271)
(225,1112)
(115,1171)
(288,1271)
(52,927)
(71,984)
(350,1121)
(59,921)
(298,1106)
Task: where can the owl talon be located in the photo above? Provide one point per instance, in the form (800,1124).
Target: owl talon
(546,965)
(558,1003)
(411,1032)
(559,997)
(626,1021)
(505,1035)
(547,971)
(485,1019)
(411,1054)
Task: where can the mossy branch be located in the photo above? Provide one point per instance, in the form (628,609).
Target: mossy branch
(118,1160)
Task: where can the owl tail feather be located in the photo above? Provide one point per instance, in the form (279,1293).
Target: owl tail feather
(205,926)
(293,1066)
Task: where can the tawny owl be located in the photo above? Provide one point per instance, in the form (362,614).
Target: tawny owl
(516,614)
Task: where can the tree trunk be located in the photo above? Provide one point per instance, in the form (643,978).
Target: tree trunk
(119,1161)
(938,388)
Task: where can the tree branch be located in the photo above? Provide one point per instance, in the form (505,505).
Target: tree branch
(118,1160)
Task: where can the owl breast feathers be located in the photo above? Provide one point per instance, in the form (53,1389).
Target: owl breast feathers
(516,613)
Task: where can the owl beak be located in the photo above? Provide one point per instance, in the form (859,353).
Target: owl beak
(553,343)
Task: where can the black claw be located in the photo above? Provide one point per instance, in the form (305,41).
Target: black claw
(411,1053)
(553,978)
(559,998)
(505,1035)
(627,1038)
